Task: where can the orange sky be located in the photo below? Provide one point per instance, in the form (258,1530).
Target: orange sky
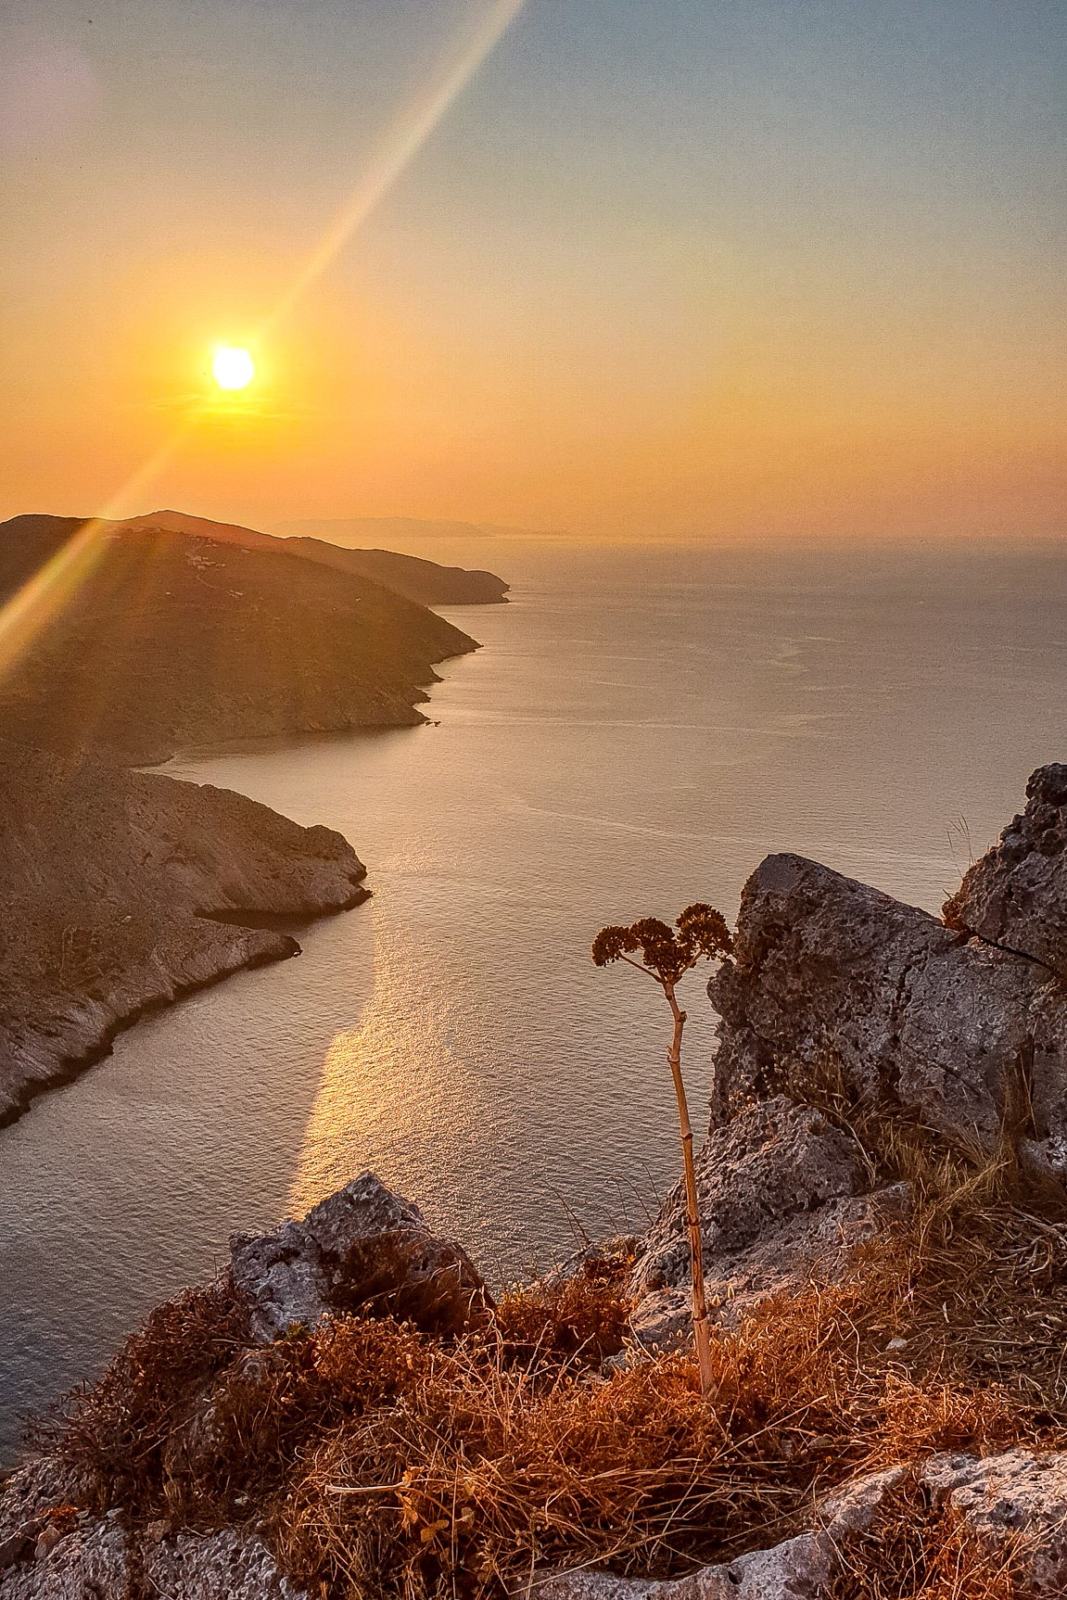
(786,273)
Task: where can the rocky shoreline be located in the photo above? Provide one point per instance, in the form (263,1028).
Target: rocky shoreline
(885,1247)
(124,891)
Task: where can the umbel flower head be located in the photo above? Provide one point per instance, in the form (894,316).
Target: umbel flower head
(699,934)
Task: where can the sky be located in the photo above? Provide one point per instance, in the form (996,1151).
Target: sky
(726,269)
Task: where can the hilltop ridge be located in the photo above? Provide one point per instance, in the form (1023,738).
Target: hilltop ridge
(165,640)
(416,578)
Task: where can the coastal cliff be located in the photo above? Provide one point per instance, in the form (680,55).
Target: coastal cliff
(350,1410)
(124,890)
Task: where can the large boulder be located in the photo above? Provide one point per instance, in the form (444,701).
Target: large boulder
(1016,895)
(831,975)
(361,1249)
(782,1200)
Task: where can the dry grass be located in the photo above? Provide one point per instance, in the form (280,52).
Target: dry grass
(911,1552)
(388,1464)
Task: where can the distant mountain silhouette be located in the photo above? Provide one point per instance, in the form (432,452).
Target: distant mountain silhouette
(357,531)
(172,631)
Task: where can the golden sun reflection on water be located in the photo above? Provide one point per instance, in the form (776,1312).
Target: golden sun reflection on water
(397,1092)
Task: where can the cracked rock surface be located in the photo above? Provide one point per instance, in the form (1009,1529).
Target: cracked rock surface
(1016,895)
(781,1200)
(828,972)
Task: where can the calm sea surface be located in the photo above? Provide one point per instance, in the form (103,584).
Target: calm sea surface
(639,730)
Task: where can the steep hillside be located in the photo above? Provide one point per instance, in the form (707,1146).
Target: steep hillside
(149,643)
(121,890)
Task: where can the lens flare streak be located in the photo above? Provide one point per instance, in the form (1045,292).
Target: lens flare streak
(44,595)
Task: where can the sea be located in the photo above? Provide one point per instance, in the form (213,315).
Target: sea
(642,724)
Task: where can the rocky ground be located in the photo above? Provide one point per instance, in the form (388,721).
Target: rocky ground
(349,1412)
(123,890)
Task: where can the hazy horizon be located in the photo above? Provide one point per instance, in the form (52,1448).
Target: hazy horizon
(693,270)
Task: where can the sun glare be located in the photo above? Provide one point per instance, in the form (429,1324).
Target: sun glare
(232,367)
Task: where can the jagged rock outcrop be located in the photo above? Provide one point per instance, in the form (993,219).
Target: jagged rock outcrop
(782,1199)
(361,1249)
(1016,895)
(123,890)
(829,974)
(1012,1503)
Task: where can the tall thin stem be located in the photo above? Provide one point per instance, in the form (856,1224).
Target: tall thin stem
(701,1336)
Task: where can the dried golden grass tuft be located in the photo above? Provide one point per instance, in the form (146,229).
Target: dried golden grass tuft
(113,1432)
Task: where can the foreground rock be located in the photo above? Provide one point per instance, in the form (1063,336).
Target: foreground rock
(1016,895)
(1012,1505)
(830,975)
(362,1249)
(783,1199)
(103,1560)
(123,890)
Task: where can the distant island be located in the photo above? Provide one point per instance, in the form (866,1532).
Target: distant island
(160,633)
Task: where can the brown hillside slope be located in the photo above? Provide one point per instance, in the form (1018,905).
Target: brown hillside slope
(168,640)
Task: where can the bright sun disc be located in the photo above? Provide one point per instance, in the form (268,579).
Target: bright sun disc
(232,367)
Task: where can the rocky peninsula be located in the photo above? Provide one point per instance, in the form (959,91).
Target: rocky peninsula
(123,890)
(350,1410)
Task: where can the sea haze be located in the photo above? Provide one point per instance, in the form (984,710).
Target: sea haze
(641,727)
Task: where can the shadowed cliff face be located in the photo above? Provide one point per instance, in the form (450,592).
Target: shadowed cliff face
(121,890)
(168,640)
(963,1024)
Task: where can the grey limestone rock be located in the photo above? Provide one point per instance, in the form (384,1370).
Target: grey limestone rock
(361,1248)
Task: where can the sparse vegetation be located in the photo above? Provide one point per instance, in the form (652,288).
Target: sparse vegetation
(666,955)
(383,1462)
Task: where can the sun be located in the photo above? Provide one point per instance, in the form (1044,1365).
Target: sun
(232,366)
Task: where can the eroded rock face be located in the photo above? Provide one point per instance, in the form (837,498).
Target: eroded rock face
(781,1200)
(362,1249)
(1016,895)
(829,972)
(1016,1495)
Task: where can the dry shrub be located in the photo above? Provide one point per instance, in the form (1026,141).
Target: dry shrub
(583,1317)
(483,1473)
(238,1447)
(112,1433)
